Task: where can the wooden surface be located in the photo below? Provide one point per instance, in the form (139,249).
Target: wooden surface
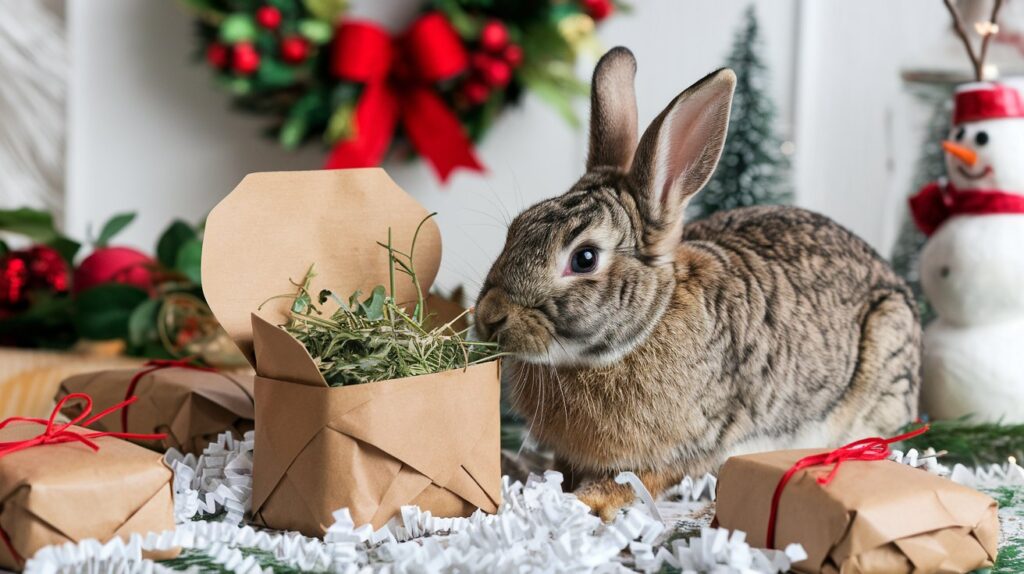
(29,378)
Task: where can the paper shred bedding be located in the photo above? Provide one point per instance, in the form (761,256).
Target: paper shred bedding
(538,528)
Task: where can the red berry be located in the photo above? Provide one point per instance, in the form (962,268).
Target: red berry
(498,74)
(268,17)
(598,9)
(217,55)
(513,54)
(14,277)
(480,61)
(47,269)
(246,59)
(493,36)
(476,92)
(294,50)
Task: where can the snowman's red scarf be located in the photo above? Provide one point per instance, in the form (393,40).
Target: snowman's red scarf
(939,201)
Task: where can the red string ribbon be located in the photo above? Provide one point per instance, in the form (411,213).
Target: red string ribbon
(60,433)
(869,449)
(937,202)
(154,365)
(399,76)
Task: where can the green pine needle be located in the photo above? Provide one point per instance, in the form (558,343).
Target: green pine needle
(971,443)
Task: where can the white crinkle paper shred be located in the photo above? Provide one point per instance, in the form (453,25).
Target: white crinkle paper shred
(537,528)
(219,480)
(927,460)
(719,551)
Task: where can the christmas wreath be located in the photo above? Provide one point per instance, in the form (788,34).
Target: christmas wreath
(353,85)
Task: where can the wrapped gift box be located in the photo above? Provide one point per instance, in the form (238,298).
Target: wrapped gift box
(873,516)
(66,492)
(191,406)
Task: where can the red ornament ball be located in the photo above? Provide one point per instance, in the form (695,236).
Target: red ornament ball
(513,55)
(598,9)
(475,92)
(115,265)
(493,36)
(246,59)
(268,17)
(498,74)
(294,50)
(217,55)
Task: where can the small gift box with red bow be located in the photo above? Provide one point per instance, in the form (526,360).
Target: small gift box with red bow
(188,404)
(62,483)
(856,512)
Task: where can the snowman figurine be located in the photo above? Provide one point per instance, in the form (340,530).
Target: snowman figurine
(972,266)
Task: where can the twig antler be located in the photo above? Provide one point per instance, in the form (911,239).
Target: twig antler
(977,60)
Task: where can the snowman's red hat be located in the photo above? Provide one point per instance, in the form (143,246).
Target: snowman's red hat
(986,101)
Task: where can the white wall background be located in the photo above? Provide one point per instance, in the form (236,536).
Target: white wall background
(149,132)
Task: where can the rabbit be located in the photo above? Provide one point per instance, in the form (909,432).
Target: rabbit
(639,344)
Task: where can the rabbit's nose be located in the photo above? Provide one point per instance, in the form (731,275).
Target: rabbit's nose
(491,313)
(492,327)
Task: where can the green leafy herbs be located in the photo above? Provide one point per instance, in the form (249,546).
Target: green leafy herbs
(377,338)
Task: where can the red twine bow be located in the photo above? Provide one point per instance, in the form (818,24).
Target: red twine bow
(937,202)
(868,449)
(154,365)
(399,75)
(60,433)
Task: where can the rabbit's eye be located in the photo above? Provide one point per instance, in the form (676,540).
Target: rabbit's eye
(583,260)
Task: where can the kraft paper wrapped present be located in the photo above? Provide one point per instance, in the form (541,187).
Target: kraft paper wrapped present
(64,491)
(190,405)
(874,516)
(432,440)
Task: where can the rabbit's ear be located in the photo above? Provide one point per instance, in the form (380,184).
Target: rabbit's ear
(613,130)
(677,155)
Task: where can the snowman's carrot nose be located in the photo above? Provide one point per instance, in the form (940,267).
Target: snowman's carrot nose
(964,154)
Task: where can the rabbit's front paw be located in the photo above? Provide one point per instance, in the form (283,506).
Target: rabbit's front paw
(605,497)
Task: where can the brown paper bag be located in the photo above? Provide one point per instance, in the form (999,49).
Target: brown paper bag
(57,493)
(874,516)
(191,407)
(432,440)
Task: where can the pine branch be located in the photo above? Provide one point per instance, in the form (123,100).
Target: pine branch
(972,443)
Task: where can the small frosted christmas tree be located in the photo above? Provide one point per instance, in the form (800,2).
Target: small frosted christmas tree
(930,166)
(753,170)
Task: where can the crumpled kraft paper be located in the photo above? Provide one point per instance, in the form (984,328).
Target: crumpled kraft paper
(191,407)
(433,440)
(58,493)
(875,516)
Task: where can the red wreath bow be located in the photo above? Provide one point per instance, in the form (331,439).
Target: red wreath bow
(937,202)
(399,75)
(869,449)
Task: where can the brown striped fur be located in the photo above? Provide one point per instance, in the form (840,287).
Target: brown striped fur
(764,327)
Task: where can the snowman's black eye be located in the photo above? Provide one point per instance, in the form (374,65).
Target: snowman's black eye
(959,134)
(981,138)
